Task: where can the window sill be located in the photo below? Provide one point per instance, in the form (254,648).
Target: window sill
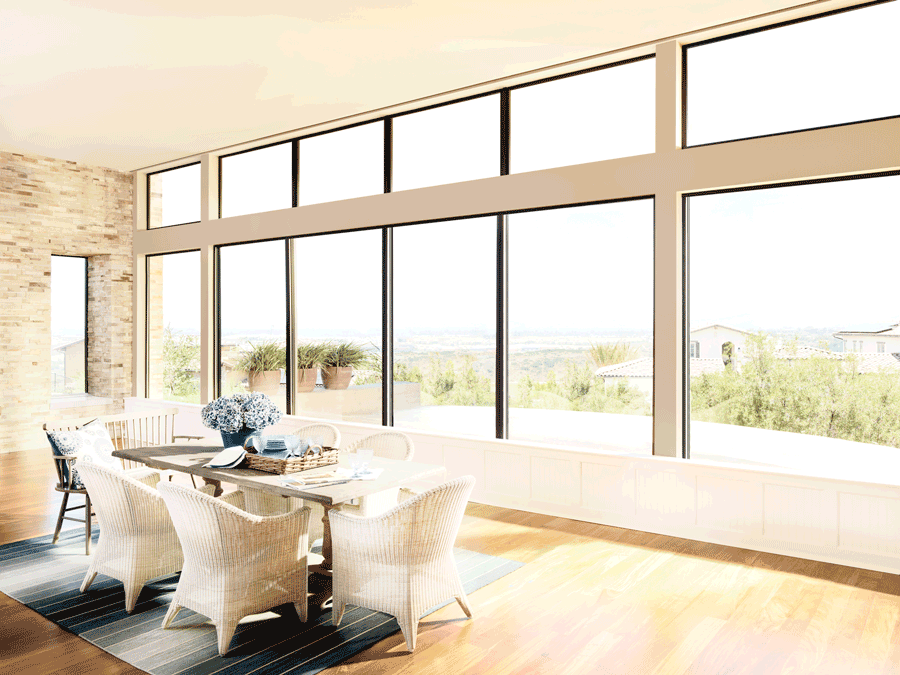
(63,401)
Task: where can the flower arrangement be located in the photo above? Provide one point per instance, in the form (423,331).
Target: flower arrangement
(239,411)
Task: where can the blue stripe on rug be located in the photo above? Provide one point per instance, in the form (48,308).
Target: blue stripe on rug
(47,577)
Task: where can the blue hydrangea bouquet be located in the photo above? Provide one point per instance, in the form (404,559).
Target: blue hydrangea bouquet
(238,416)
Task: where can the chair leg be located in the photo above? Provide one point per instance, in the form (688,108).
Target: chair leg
(87,524)
(464,603)
(132,591)
(88,579)
(170,615)
(409,627)
(337,612)
(225,630)
(62,513)
(302,610)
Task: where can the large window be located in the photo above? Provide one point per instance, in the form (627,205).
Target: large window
(252,317)
(174,196)
(581,326)
(342,164)
(445,280)
(338,294)
(447,144)
(257,181)
(825,71)
(775,279)
(173,328)
(68,324)
(584,118)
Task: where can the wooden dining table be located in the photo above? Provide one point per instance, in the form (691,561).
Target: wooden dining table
(190,459)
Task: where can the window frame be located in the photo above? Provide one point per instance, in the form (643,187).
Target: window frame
(87,313)
(685,71)
(147,184)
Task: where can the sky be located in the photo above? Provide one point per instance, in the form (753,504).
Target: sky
(817,255)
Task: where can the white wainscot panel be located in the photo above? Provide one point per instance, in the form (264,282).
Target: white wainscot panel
(665,496)
(869,524)
(507,473)
(557,481)
(427,452)
(608,488)
(800,515)
(729,504)
(464,462)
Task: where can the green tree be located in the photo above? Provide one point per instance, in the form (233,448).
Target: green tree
(181,355)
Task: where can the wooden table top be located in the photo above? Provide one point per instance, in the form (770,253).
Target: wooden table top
(191,458)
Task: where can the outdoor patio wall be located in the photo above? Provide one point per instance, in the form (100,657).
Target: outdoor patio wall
(827,519)
(47,207)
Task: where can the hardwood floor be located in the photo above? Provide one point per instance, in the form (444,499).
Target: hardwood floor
(591,599)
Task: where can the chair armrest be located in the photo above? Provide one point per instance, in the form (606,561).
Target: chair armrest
(145,475)
(235,498)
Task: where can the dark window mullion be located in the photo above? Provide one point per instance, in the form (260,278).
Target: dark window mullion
(502,356)
(290,360)
(387,286)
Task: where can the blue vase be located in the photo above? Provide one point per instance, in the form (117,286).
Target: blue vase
(231,438)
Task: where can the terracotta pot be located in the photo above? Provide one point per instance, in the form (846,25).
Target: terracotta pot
(337,377)
(306,379)
(267,381)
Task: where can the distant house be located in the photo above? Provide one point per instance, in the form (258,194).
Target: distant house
(73,370)
(885,341)
(710,342)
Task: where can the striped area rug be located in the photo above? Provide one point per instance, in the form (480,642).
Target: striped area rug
(46,577)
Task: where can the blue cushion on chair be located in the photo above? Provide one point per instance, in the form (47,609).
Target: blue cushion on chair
(90,442)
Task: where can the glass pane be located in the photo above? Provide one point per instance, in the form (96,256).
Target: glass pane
(68,290)
(252,314)
(342,165)
(338,322)
(449,144)
(787,308)
(836,69)
(445,279)
(257,181)
(175,196)
(581,326)
(173,312)
(584,118)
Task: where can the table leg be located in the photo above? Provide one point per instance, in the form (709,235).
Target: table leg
(216,483)
(320,587)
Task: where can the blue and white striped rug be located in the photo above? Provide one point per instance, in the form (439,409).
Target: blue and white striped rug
(46,577)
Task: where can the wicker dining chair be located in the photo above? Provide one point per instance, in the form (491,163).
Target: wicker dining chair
(235,563)
(401,562)
(137,540)
(388,444)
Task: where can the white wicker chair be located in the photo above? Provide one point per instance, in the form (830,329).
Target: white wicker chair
(137,539)
(401,562)
(389,444)
(235,563)
(263,503)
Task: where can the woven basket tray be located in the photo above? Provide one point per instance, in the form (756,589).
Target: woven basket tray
(291,464)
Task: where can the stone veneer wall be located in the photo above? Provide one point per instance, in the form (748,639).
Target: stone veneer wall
(51,206)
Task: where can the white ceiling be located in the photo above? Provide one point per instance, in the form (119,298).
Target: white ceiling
(127,84)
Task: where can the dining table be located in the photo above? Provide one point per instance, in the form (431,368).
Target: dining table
(192,459)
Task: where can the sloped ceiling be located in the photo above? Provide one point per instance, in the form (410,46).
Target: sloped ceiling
(127,84)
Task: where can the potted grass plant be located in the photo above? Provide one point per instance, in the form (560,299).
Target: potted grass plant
(338,361)
(309,359)
(263,363)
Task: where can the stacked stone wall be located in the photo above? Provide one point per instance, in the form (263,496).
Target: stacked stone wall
(55,207)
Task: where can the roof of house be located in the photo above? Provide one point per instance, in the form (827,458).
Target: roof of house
(643,367)
(718,325)
(893,330)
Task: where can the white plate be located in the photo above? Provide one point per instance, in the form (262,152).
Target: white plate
(228,458)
